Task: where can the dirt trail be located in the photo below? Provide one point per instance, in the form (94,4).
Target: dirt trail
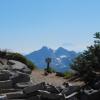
(38,76)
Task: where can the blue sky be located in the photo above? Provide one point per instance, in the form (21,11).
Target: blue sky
(27,25)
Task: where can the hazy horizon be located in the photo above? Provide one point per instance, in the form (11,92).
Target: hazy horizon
(27,25)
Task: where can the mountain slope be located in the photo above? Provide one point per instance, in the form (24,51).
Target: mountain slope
(61,58)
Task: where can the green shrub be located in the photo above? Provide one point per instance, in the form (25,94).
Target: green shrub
(3,53)
(87,64)
(50,70)
(30,65)
(67,74)
(16,56)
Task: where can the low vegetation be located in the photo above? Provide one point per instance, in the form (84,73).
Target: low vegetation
(67,74)
(87,64)
(49,70)
(16,56)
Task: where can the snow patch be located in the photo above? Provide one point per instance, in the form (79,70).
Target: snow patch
(63,56)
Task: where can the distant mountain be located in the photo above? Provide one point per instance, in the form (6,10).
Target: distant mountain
(61,58)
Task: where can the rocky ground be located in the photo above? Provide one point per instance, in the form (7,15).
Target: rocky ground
(38,76)
(18,83)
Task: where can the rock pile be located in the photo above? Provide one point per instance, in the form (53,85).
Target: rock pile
(15,84)
(14,77)
(44,91)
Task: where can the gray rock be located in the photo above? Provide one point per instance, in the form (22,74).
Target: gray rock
(15,95)
(4,76)
(72,96)
(19,66)
(14,76)
(6,84)
(3,97)
(50,96)
(18,99)
(92,94)
(97,85)
(60,88)
(3,61)
(6,67)
(23,85)
(34,98)
(69,90)
(34,88)
(8,72)
(19,77)
(52,89)
(1,68)
(2,91)
(26,70)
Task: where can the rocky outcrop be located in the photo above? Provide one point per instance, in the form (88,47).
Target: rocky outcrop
(15,84)
(14,77)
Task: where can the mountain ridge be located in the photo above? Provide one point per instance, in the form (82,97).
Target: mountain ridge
(61,58)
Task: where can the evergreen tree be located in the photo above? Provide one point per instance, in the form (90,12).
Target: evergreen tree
(87,64)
